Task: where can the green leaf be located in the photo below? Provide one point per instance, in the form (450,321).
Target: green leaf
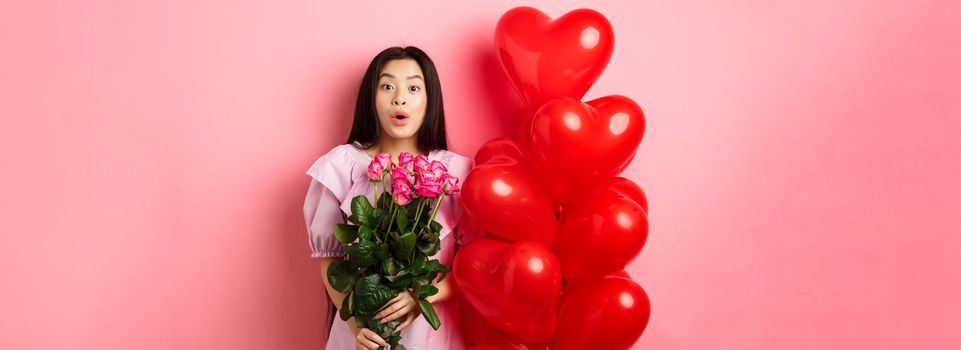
(401,220)
(427,291)
(433,267)
(353,218)
(362,253)
(347,306)
(403,246)
(345,234)
(402,282)
(340,276)
(435,226)
(415,289)
(444,269)
(360,207)
(371,295)
(394,341)
(421,280)
(417,266)
(365,232)
(388,329)
(381,251)
(427,310)
(376,326)
(391,267)
(397,276)
(385,200)
(378,215)
(428,247)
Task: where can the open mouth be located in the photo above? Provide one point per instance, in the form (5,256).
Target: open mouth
(400,118)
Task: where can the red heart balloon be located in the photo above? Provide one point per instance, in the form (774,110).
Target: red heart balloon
(600,234)
(505,199)
(627,188)
(499,151)
(484,347)
(480,334)
(619,274)
(548,59)
(609,313)
(515,286)
(575,146)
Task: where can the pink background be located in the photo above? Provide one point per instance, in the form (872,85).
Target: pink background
(801,159)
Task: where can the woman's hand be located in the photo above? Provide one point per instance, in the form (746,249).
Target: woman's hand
(368,340)
(409,318)
(401,305)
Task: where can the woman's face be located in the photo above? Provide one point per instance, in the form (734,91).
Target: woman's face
(401,98)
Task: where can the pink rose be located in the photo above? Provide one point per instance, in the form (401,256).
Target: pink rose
(438,169)
(383,159)
(428,185)
(421,163)
(400,175)
(450,183)
(401,192)
(404,160)
(375,171)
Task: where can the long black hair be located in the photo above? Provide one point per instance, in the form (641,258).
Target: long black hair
(366,128)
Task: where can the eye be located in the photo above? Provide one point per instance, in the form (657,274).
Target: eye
(387,87)
(414,88)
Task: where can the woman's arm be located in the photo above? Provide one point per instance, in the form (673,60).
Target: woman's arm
(445,289)
(335,296)
(366,339)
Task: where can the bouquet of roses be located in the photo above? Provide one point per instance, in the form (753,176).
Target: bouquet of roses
(389,243)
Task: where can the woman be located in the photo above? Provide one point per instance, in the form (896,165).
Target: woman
(399,109)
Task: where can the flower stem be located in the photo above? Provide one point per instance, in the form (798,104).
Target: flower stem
(434,213)
(420,207)
(393,212)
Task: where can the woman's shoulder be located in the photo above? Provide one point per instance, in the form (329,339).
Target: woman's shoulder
(456,156)
(337,162)
(337,154)
(456,163)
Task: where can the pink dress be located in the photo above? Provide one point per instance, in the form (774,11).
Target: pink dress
(340,175)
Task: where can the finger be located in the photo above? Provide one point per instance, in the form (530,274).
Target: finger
(376,338)
(397,314)
(407,321)
(399,297)
(394,308)
(369,339)
(364,343)
(389,309)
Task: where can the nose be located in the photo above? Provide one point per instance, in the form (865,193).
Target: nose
(398,101)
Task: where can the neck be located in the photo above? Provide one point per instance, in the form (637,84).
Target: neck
(395,146)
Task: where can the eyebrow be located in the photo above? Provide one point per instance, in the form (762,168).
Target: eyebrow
(415,76)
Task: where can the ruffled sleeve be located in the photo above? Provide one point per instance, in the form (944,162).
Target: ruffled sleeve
(464,229)
(330,181)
